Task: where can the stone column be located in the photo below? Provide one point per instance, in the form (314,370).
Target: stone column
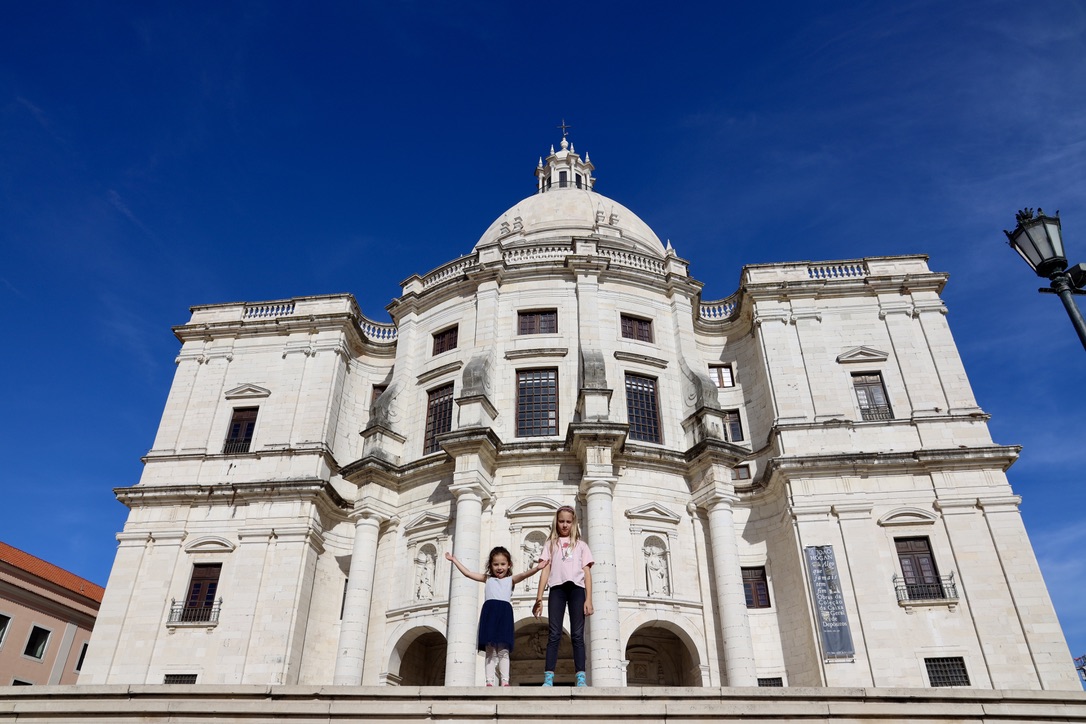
(605,655)
(718,499)
(356,606)
(463,592)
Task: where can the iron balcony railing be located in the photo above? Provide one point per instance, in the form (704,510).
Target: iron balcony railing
(943,589)
(236,446)
(876,412)
(181,614)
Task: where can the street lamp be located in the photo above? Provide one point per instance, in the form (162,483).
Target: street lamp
(1038,240)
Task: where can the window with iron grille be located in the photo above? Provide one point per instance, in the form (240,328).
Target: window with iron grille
(642,412)
(439,407)
(240,435)
(200,600)
(35,645)
(947,671)
(636,328)
(445,339)
(179,679)
(771,681)
(918,569)
(544,321)
(756,587)
(537,403)
(722,375)
(871,394)
(734,425)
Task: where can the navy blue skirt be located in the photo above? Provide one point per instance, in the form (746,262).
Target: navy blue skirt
(496,625)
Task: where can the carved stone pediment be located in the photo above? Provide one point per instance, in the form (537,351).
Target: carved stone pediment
(908,516)
(533,507)
(653,513)
(248,391)
(427,523)
(210,544)
(862,354)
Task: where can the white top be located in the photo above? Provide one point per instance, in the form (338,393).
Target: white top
(498,589)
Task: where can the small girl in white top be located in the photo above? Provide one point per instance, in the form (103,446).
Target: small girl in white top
(496,619)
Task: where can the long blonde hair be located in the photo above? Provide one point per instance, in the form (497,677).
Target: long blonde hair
(574,531)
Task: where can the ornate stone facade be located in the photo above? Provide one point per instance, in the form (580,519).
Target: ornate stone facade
(319,465)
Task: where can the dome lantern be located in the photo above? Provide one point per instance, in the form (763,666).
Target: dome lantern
(564,169)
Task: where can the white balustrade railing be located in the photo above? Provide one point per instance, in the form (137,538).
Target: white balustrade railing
(635,261)
(450,270)
(720,309)
(269,311)
(378,332)
(527,255)
(856,270)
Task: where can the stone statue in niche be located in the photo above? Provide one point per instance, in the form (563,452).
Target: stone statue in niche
(656,568)
(533,549)
(424,574)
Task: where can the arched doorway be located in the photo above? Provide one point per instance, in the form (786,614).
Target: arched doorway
(659,657)
(418,659)
(530,654)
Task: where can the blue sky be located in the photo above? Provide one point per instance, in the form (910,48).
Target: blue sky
(159,155)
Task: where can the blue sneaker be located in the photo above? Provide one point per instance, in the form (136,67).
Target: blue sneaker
(580,679)
(548,678)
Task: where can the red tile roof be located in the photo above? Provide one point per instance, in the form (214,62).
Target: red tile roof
(47,571)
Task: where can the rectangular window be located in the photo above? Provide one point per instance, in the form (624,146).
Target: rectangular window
(35,645)
(722,375)
(541,322)
(871,394)
(20,682)
(771,681)
(5,621)
(636,328)
(642,412)
(240,435)
(741,472)
(204,584)
(537,403)
(947,671)
(918,569)
(82,655)
(438,416)
(179,679)
(756,587)
(445,339)
(378,390)
(734,425)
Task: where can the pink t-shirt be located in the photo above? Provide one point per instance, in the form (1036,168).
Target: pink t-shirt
(570,564)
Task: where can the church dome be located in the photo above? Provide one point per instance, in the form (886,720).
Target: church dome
(565,205)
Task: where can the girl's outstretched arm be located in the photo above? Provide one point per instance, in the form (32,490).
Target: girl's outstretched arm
(539,566)
(460,567)
(588,609)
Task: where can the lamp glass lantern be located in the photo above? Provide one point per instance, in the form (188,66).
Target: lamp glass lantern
(1039,241)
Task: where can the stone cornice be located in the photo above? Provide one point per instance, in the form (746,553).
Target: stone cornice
(155,456)
(641,359)
(229,494)
(993,456)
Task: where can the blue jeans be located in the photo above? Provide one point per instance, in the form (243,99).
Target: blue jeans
(570,595)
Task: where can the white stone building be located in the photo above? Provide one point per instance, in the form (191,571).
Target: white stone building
(790,486)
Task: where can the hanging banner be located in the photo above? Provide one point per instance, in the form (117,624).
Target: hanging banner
(832,617)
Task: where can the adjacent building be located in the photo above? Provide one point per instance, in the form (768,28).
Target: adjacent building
(46,617)
(789,486)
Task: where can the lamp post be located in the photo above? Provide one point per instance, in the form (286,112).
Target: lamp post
(1038,240)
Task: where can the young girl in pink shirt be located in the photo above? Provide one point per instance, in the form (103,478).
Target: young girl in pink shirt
(570,579)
